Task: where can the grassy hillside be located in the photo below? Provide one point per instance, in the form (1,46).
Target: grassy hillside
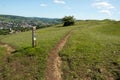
(91,53)
(30,63)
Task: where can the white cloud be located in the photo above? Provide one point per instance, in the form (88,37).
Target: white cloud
(59,1)
(43,5)
(103,5)
(106,12)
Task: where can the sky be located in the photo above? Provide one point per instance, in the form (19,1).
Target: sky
(80,9)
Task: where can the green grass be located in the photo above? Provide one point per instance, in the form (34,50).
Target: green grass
(2,52)
(27,62)
(2,36)
(112,28)
(49,35)
(92,52)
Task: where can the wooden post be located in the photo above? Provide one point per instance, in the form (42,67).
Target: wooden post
(33,37)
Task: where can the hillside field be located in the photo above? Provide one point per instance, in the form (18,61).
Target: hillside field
(92,52)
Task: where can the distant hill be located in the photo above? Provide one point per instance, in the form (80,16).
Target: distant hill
(10,21)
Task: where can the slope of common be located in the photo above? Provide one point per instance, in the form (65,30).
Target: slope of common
(93,52)
(29,63)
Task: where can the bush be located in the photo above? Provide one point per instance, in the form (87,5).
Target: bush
(4,31)
(68,20)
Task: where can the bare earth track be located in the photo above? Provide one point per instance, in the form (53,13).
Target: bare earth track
(53,71)
(9,49)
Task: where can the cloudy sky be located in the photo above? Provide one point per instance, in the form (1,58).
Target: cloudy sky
(81,9)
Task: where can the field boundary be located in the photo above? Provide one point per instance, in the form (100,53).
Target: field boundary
(53,71)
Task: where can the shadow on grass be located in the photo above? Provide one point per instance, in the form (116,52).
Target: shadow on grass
(27,51)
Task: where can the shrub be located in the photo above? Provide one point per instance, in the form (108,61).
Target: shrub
(68,20)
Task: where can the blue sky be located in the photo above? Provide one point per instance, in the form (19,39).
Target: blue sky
(81,9)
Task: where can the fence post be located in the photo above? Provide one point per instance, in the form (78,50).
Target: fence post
(33,37)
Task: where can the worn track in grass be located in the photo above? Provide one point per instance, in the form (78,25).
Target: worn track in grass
(53,71)
(9,49)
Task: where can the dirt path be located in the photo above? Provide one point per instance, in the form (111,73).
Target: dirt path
(53,71)
(9,49)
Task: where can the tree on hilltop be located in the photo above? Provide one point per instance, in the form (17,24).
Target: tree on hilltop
(68,20)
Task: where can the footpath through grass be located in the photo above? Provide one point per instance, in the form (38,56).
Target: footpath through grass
(29,63)
(92,52)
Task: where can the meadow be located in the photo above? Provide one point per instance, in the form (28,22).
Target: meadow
(91,53)
(26,62)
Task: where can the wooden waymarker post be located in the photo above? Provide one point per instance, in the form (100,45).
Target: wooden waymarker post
(33,37)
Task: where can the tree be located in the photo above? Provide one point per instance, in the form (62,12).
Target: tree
(68,20)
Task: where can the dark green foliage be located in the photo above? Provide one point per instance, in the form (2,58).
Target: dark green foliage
(15,29)
(4,31)
(22,29)
(68,20)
